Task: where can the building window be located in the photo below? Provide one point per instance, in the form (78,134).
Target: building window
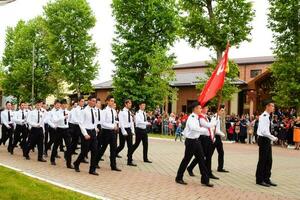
(255,72)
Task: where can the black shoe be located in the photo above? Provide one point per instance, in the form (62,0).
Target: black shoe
(42,160)
(271,183)
(180,182)
(101,159)
(131,164)
(208,184)
(147,161)
(85,161)
(70,166)
(57,156)
(118,156)
(190,172)
(213,177)
(27,157)
(62,150)
(75,153)
(263,184)
(97,167)
(94,173)
(76,167)
(53,163)
(223,170)
(116,169)
(45,154)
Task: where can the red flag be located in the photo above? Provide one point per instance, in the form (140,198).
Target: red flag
(216,81)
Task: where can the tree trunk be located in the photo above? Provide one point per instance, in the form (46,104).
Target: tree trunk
(219,55)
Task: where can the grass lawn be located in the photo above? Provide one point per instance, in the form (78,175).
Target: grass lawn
(16,186)
(158,135)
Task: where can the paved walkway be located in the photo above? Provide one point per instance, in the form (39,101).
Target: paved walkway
(156,180)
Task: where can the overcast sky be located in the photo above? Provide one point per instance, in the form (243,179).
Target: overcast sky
(104,31)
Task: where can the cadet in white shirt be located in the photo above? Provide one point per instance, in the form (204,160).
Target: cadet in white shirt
(264,165)
(62,133)
(44,109)
(109,136)
(35,121)
(98,117)
(193,147)
(7,120)
(218,135)
(52,122)
(141,131)
(207,140)
(126,130)
(21,132)
(75,117)
(89,131)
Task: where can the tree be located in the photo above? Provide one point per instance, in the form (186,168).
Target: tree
(145,30)
(284,22)
(72,50)
(211,24)
(22,42)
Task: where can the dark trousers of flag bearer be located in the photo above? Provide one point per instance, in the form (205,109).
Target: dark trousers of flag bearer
(128,140)
(20,135)
(52,135)
(109,137)
(99,137)
(141,135)
(61,134)
(7,134)
(193,147)
(75,133)
(88,145)
(36,137)
(264,165)
(218,144)
(207,146)
(46,137)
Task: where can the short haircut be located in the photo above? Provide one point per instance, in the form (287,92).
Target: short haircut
(38,101)
(142,102)
(222,107)
(80,98)
(91,97)
(7,102)
(63,101)
(127,101)
(109,97)
(56,101)
(22,102)
(194,105)
(267,102)
(98,99)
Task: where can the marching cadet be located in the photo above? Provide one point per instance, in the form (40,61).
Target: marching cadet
(193,147)
(98,116)
(126,130)
(46,125)
(207,140)
(109,136)
(218,135)
(52,122)
(89,131)
(62,133)
(21,131)
(7,126)
(141,131)
(264,165)
(75,116)
(35,121)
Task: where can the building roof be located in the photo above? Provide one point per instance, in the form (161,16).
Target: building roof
(3,2)
(104,85)
(240,61)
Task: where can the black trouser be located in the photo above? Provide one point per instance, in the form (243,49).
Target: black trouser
(128,140)
(36,137)
(75,133)
(61,134)
(99,137)
(20,135)
(219,146)
(88,145)
(193,147)
(7,134)
(264,165)
(207,146)
(109,137)
(141,135)
(52,133)
(46,136)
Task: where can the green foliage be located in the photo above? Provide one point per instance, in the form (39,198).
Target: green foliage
(17,59)
(145,30)
(284,22)
(229,88)
(72,50)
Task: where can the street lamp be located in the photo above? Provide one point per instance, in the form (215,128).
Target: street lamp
(32,86)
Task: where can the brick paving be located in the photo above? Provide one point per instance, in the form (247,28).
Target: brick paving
(156,180)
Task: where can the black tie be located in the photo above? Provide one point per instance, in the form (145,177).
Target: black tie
(81,108)
(270,127)
(129,119)
(99,115)
(23,117)
(38,117)
(93,119)
(144,117)
(8,113)
(65,118)
(112,117)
